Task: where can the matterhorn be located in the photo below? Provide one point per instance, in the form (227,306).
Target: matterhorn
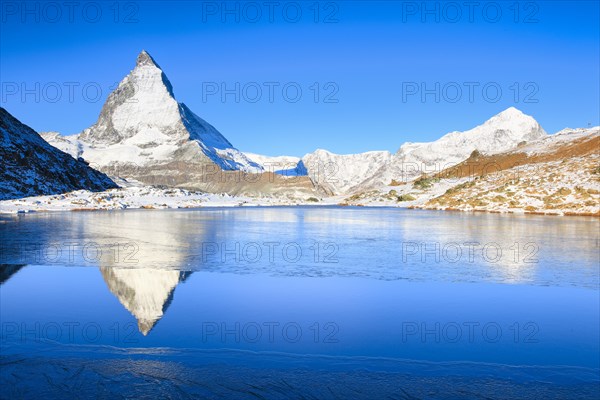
(143,134)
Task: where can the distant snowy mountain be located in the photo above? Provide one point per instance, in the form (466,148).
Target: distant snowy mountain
(500,133)
(340,172)
(283,165)
(344,174)
(142,132)
(30,166)
(333,173)
(69,144)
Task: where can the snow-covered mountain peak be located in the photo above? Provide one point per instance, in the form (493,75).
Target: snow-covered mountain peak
(501,132)
(512,120)
(144,58)
(141,110)
(510,112)
(143,124)
(320,152)
(147,68)
(570,131)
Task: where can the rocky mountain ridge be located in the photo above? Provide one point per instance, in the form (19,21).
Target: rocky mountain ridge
(30,166)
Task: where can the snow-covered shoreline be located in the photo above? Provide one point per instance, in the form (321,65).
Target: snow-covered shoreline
(145,197)
(151,198)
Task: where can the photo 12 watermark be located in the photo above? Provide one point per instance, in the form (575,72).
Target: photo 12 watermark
(470,332)
(70,253)
(270,92)
(269,252)
(469,92)
(469,252)
(452,12)
(71,12)
(252,12)
(55,92)
(269,332)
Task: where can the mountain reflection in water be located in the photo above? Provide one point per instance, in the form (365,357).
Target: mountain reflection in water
(195,303)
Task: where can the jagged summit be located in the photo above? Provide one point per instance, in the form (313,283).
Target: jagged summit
(144,133)
(144,58)
(141,124)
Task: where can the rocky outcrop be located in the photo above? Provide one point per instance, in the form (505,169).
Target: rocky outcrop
(30,166)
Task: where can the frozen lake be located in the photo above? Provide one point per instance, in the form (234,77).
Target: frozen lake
(299,302)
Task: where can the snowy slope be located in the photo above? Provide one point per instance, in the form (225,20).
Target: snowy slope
(502,132)
(335,173)
(556,174)
(560,138)
(68,144)
(30,166)
(340,172)
(141,124)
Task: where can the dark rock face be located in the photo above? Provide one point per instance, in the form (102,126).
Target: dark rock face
(29,166)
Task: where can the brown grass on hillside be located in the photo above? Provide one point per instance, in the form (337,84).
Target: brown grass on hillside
(480,165)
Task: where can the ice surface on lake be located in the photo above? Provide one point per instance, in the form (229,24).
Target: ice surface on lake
(298,302)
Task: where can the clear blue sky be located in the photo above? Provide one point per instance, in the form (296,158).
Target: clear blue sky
(372,53)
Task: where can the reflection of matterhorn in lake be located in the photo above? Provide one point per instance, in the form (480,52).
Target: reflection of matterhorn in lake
(150,263)
(146,293)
